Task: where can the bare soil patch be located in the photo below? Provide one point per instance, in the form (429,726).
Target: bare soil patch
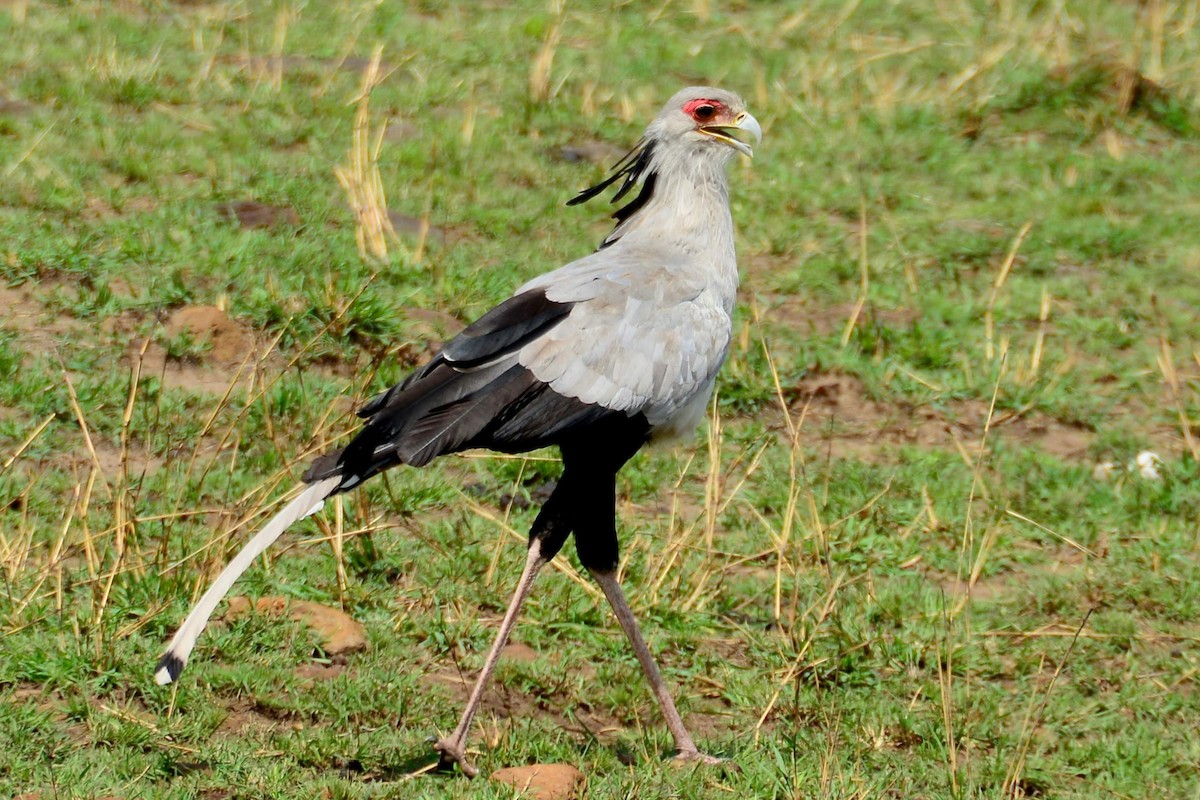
(186,375)
(226,362)
(244,717)
(340,633)
(591,151)
(401,131)
(295,63)
(253,215)
(1067,562)
(316,671)
(228,341)
(828,319)
(516,651)
(96,209)
(417,227)
(441,325)
(37,331)
(14,108)
(503,702)
(136,460)
(839,416)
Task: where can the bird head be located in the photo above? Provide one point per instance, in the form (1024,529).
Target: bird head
(705,117)
(700,126)
(697,120)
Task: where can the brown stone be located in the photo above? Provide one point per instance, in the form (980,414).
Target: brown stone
(542,781)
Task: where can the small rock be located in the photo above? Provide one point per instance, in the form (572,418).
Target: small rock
(339,632)
(542,781)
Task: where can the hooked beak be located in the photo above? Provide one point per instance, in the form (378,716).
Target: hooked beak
(735,135)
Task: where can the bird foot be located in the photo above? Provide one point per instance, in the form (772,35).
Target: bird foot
(685,757)
(451,752)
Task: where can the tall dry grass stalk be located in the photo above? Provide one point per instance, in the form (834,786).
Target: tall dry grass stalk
(283,19)
(685,567)
(1166,365)
(360,177)
(1029,375)
(864,272)
(998,286)
(18,10)
(945,669)
(542,65)
(971,556)
(1033,720)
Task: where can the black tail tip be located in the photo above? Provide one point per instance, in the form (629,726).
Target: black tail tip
(168,669)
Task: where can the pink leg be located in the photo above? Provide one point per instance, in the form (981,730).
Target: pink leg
(453,749)
(685,748)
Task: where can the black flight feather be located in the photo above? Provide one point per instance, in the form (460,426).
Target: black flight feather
(466,389)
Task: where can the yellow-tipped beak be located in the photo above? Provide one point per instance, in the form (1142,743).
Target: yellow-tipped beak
(736,135)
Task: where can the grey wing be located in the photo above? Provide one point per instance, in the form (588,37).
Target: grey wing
(638,340)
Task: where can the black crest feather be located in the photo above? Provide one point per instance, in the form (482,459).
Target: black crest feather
(631,167)
(634,166)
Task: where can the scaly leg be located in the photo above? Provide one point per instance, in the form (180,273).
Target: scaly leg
(453,749)
(685,748)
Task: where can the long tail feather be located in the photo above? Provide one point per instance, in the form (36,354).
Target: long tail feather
(306,504)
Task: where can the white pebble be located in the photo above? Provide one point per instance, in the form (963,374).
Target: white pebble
(1147,463)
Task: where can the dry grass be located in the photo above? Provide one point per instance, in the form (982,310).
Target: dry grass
(361,177)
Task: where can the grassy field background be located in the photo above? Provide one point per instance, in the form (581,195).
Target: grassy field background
(908,557)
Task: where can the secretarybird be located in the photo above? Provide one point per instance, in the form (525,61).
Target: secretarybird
(598,357)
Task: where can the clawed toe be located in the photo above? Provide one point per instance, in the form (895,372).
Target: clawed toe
(451,752)
(696,757)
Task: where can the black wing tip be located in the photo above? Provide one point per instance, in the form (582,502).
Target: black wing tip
(168,669)
(324,466)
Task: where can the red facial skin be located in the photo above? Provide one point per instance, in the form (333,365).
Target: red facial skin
(705,112)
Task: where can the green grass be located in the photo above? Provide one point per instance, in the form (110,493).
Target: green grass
(805,594)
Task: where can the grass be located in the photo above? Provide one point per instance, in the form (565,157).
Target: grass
(885,568)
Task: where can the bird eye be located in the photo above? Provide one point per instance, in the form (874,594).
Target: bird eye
(704,113)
